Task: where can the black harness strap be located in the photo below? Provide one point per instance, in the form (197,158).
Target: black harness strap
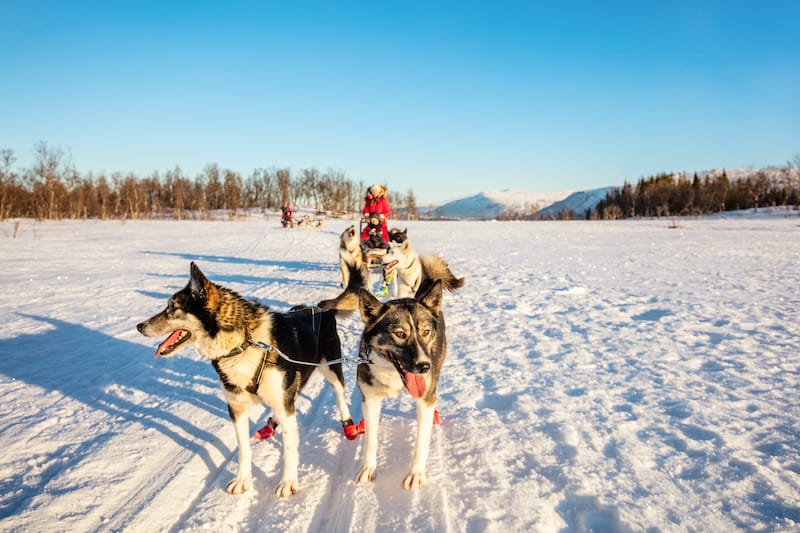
(251,387)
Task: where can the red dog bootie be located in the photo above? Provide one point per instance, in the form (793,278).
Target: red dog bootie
(351,430)
(267,431)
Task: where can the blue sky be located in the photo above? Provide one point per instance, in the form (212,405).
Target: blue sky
(445,98)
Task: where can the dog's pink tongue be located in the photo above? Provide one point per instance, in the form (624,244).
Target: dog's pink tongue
(415,383)
(169,341)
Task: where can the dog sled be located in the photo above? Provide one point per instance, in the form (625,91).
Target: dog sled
(373,249)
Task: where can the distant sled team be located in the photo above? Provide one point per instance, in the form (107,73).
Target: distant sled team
(266,356)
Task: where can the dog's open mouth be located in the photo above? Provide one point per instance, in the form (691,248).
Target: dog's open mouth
(171,343)
(390,265)
(415,383)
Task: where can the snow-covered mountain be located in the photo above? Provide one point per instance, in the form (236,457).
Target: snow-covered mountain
(577,202)
(492,204)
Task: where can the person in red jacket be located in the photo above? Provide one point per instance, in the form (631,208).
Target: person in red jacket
(286,216)
(376,204)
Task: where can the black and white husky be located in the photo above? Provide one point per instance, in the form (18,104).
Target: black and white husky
(259,355)
(403,347)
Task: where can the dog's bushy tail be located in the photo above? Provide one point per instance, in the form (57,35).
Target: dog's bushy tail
(348,299)
(435,268)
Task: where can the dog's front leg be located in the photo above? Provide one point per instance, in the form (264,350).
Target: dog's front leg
(333,374)
(371,406)
(416,476)
(241,425)
(291,456)
(345,268)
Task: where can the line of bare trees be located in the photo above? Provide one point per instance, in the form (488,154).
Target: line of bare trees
(53,189)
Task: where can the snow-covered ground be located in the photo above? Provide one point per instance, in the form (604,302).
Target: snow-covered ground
(601,376)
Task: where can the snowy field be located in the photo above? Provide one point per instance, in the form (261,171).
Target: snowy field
(601,376)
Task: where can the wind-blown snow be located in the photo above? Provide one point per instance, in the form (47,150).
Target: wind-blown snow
(601,376)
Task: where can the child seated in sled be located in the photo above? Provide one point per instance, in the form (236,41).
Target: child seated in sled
(372,234)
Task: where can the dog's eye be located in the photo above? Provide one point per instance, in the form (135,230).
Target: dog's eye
(425,332)
(400,334)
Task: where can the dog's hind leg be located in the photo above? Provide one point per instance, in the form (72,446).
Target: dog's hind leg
(371,405)
(241,425)
(416,475)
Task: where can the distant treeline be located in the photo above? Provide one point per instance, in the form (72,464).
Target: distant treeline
(53,189)
(665,195)
(671,195)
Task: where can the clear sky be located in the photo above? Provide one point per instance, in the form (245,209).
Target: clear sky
(445,98)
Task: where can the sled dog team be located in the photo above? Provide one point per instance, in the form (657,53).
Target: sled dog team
(266,356)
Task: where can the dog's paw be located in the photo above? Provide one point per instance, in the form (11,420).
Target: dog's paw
(286,488)
(366,474)
(414,480)
(239,485)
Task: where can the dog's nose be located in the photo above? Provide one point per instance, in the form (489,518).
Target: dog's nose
(140,326)
(423,367)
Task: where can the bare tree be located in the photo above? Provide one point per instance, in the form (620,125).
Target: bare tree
(411,205)
(50,168)
(794,169)
(181,192)
(215,197)
(104,198)
(308,190)
(232,187)
(8,183)
(284,179)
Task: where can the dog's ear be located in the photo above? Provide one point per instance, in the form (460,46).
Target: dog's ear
(198,283)
(369,306)
(202,289)
(430,295)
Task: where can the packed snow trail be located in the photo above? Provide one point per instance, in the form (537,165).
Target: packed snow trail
(619,376)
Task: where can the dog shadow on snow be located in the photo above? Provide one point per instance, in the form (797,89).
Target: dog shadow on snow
(292,266)
(109,375)
(328,271)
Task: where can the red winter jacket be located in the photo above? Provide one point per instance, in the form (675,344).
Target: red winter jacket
(380,206)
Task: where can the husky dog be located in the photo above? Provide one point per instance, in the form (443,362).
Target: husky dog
(350,254)
(395,235)
(310,223)
(408,270)
(250,347)
(403,346)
